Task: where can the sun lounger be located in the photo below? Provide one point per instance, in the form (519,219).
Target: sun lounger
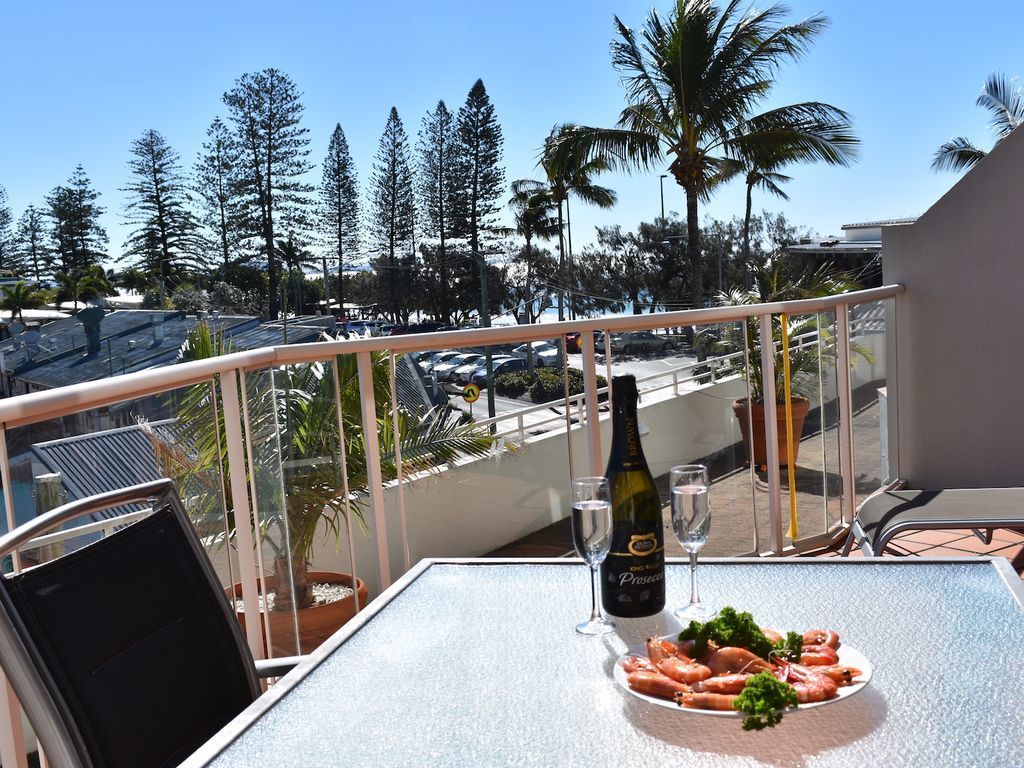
(980,510)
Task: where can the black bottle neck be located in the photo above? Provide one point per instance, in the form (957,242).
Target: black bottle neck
(626,452)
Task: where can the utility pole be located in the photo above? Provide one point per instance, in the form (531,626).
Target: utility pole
(661,183)
(485,322)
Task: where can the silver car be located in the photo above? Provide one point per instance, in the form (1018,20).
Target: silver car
(445,371)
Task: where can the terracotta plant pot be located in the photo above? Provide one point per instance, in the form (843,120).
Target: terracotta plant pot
(317,623)
(801,405)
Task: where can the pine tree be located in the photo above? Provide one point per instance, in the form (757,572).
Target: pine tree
(31,252)
(339,206)
(440,184)
(213,180)
(164,242)
(6,238)
(394,211)
(480,144)
(266,112)
(78,240)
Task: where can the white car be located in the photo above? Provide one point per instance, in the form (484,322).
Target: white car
(545,354)
(445,371)
(464,374)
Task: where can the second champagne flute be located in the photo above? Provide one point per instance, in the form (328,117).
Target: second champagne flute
(591,535)
(691,521)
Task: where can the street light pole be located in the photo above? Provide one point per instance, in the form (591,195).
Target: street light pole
(661,183)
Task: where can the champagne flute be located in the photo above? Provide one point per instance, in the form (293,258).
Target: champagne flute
(691,521)
(592,535)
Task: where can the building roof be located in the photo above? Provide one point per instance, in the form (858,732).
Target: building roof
(881,223)
(104,461)
(127,344)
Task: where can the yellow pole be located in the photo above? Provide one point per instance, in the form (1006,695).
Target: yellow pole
(792,532)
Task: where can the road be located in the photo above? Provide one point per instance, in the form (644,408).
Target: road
(642,366)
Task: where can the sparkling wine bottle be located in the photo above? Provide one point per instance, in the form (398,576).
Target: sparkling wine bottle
(633,574)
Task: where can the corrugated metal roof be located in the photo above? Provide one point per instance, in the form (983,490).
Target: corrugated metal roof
(881,223)
(104,461)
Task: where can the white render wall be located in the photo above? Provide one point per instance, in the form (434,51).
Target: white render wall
(960,331)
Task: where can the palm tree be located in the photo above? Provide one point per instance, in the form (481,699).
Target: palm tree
(85,284)
(21,296)
(566,172)
(1005,100)
(692,80)
(295,425)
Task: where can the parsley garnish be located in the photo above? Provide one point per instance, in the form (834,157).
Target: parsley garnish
(762,701)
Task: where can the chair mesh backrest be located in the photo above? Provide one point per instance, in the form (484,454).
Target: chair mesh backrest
(135,643)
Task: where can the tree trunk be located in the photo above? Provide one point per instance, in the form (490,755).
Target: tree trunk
(693,248)
(746,227)
(568,261)
(303,591)
(561,264)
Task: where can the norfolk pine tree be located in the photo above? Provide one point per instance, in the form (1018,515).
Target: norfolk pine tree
(480,143)
(339,207)
(213,180)
(31,252)
(78,240)
(266,112)
(7,252)
(393,211)
(440,183)
(165,241)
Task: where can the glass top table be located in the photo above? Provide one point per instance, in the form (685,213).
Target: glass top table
(475,662)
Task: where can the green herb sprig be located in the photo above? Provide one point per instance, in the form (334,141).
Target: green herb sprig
(762,701)
(729,628)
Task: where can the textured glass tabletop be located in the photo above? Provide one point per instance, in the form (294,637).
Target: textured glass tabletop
(478,665)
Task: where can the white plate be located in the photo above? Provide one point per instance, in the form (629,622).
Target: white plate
(848,657)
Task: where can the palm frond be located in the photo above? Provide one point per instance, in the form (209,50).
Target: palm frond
(957,154)
(1004,98)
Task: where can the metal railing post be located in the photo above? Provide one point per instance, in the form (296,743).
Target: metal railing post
(844,391)
(771,430)
(12,735)
(593,413)
(374,474)
(243,513)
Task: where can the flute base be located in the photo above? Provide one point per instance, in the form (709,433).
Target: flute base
(598,626)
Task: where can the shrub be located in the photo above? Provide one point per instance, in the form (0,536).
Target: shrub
(512,384)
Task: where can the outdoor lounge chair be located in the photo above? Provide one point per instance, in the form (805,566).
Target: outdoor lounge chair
(980,510)
(125,652)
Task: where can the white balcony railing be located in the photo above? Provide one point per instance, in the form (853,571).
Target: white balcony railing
(229,372)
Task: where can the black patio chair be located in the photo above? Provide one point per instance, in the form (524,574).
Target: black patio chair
(980,510)
(124,653)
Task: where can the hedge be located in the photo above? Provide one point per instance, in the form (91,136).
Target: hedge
(545,385)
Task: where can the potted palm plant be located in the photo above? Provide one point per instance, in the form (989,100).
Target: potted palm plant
(781,280)
(301,490)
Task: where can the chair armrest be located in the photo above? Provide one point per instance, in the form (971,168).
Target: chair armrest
(277,667)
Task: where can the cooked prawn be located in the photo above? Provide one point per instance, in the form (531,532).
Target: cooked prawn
(684,671)
(729,660)
(655,684)
(840,675)
(659,650)
(720,701)
(822,637)
(638,664)
(810,686)
(773,636)
(722,684)
(818,655)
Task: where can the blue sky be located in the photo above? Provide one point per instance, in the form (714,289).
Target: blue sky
(82,80)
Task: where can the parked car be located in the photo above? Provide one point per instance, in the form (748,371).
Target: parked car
(438,358)
(545,354)
(508,365)
(445,371)
(636,341)
(464,373)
